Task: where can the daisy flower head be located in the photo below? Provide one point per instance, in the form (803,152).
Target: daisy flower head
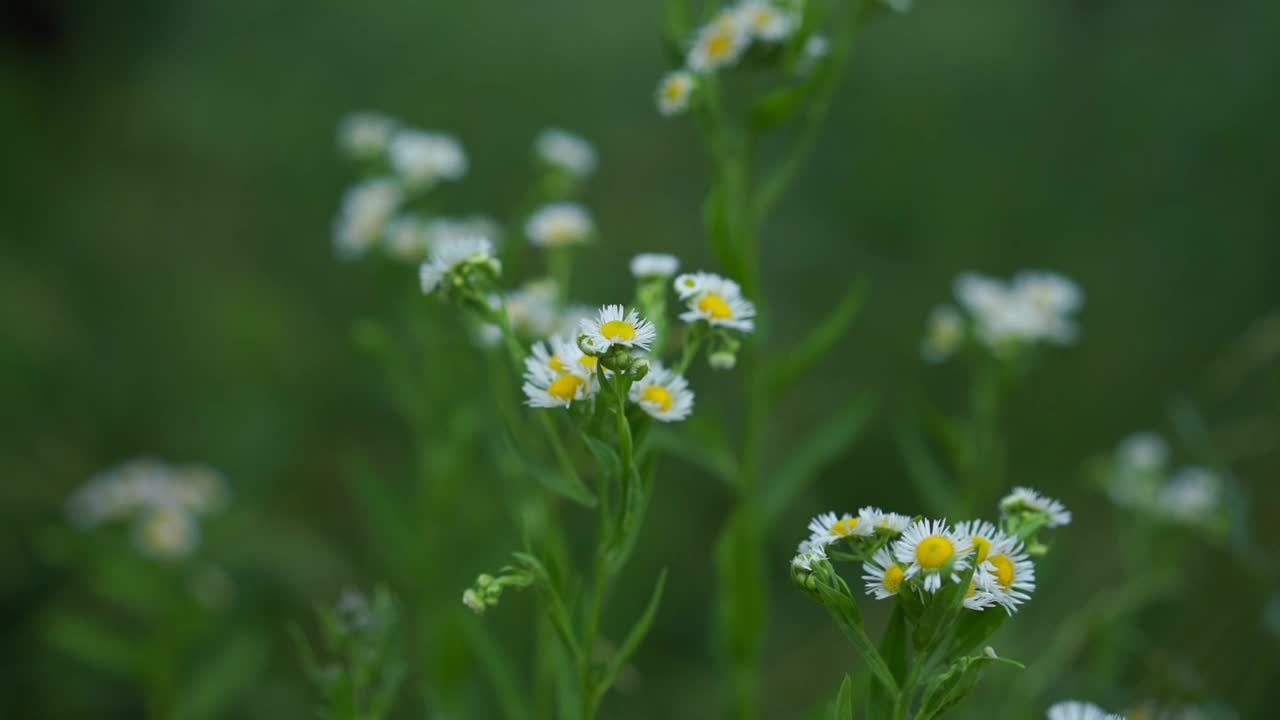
(545,386)
(931,550)
(1024,499)
(406,239)
(809,554)
(716,300)
(561,355)
(944,333)
(566,151)
(559,224)
(720,42)
(613,326)
(167,533)
(364,135)
(1049,299)
(829,528)
(448,256)
(366,208)
(976,598)
(421,158)
(1007,573)
(663,394)
(1144,451)
(1076,710)
(883,575)
(674,92)
(886,523)
(765,21)
(982,534)
(654,265)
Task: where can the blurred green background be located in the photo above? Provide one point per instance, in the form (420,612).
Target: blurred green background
(167,287)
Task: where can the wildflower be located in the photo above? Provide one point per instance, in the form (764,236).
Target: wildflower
(561,355)
(719,43)
(765,21)
(829,528)
(1008,573)
(566,151)
(473,600)
(167,533)
(612,327)
(931,549)
(406,239)
(674,92)
(1076,710)
(439,230)
(654,265)
(532,308)
(1190,495)
(1050,298)
(1027,500)
(421,158)
(976,597)
(571,319)
(198,488)
(453,255)
(883,575)
(1143,451)
(885,523)
(365,211)
(663,394)
(716,300)
(364,135)
(809,554)
(547,388)
(944,333)
(559,224)
(982,534)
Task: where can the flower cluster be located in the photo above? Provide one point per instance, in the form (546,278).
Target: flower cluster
(487,590)
(162,501)
(1138,478)
(1034,307)
(1076,710)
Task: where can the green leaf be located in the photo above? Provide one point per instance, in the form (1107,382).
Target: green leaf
(550,594)
(950,687)
(844,610)
(701,445)
(677,28)
(779,106)
(222,679)
(795,363)
(932,485)
(558,482)
(94,643)
(497,665)
(819,448)
(893,648)
(973,629)
(715,219)
(843,707)
(635,636)
(742,581)
(393,535)
(605,455)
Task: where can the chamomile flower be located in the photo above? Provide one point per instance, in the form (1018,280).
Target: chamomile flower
(449,255)
(883,575)
(675,91)
(886,523)
(765,21)
(809,554)
(1024,499)
(559,224)
(614,325)
(167,533)
(1076,710)
(716,300)
(943,334)
(719,43)
(654,265)
(546,387)
(422,158)
(976,598)
(406,239)
(1008,573)
(364,135)
(366,208)
(931,550)
(982,535)
(663,394)
(566,151)
(829,528)
(562,355)
(1143,451)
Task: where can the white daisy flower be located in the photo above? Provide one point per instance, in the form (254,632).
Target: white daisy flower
(976,598)
(421,158)
(765,21)
(546,387)
(654,265)
(885,523)
(829,528)
(613,325)
(448,256)
(444,229)
(944,333)
(1076,710)
(1190,495)
(1008,573)
(719,43)
(1049,293)
(674,92)
(808,554)
(366,208)
(883,575)
(571,318)
(406,239)
(559,224)
(364,135)
(567,151)
(931,549)
(663,394)
(1144,451)
(982,535)
(690,284)
(167,533)
(199,489)
(718,301)
(816,47)
(562,355)
(1028,500)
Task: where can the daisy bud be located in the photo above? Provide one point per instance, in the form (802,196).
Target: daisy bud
(639,369)
(484,580)
(472,599)
(722,360)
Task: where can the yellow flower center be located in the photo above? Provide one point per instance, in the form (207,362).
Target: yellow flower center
(589,362)
(720,45)
(983,546)
(617,330)
(674,91)
(557,364)
(934,551)
(762,18)
(715,306)
(565,387)
(844,528)
(659,395)
(1004,570)
(893,578)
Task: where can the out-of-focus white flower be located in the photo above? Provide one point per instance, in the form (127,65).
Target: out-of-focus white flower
(1191,495)
(1036,306)
(765,21)
(816,47)
(532,310)
(406,239)
(829,528)
(885,523)
(364,135)
(1024,499)
(365,210)
(444,229)
(883,575)
(422,158)
(449,255)
(559,224)
(1143,451)
(613,325)
(932,550)
(1051,299)
(199,489)
(654,265)
(570,321)
(567,151)
(716,300)
(674,92)
(943,334)
(1076,710)
(663,394)
(167,533)
(809,554)
(720,42)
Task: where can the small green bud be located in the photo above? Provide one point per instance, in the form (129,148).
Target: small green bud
(472,599)
(722,360)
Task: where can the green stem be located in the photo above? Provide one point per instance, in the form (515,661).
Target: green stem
(902,706)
